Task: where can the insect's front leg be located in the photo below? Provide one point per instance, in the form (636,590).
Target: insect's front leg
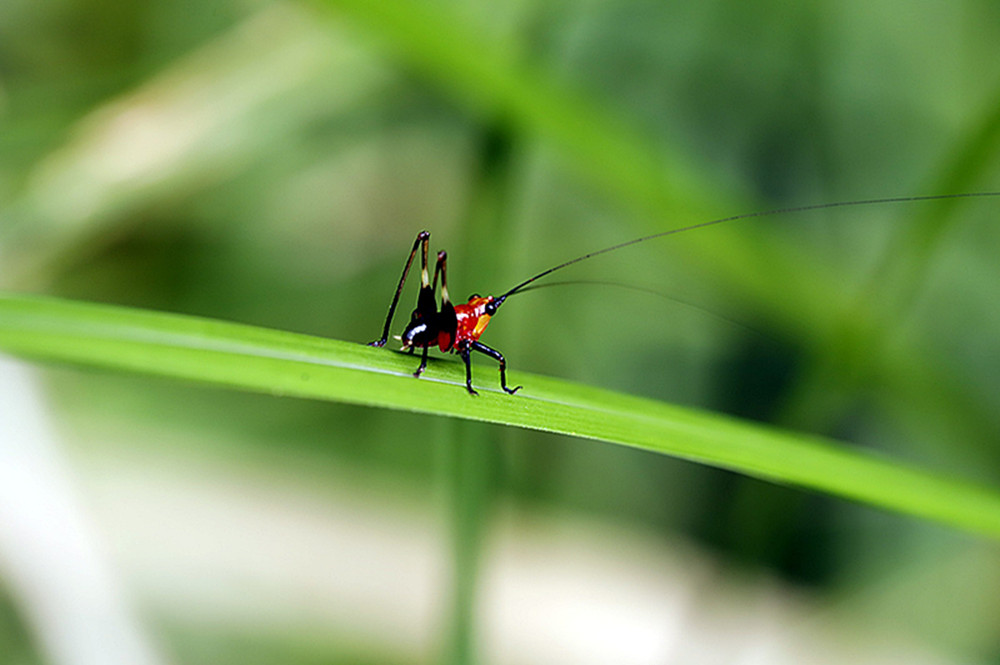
(493,353)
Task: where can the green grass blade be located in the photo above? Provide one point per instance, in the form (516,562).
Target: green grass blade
(290,364)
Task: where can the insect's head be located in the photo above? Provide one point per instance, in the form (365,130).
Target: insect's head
(493,304)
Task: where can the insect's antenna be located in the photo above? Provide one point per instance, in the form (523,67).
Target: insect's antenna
(765,213)
(652,292)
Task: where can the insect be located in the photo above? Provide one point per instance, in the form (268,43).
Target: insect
(457,328)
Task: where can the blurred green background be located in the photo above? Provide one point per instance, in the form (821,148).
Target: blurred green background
(271,164)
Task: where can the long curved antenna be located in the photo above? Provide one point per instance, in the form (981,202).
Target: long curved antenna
(765,213)
(652,292)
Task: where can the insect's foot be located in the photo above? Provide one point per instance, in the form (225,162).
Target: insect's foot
(379,343)
(511,391)
(472,391)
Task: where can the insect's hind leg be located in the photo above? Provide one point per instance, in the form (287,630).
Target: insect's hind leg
(447,320)
(422,237)
(496,355)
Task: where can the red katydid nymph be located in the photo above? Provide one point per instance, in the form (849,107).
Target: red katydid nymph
(457,328)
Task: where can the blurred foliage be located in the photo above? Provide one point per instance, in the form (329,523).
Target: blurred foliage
(271,163)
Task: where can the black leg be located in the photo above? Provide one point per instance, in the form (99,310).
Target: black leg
(425,299)
(422,237)
(423,362)
(493,353)
(442,269)
(447,321)
(468,372)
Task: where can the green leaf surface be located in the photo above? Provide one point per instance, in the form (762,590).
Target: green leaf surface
(290,364)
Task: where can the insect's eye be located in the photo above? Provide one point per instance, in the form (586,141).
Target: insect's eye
(491,308)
